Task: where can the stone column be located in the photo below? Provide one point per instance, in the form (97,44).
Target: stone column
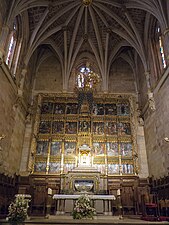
(166,41)
(58,206)
(150,94)
(22,81)
(110,207)
(141,147)
(3,41)
(105,207)
(63,201)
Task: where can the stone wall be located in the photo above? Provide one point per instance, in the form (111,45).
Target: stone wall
(48,77)
(11,125)
(27,89)
(3,10)
(142,86)
(156,128)
(121,78)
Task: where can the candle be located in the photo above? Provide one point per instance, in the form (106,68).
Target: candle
(49,191)
(118,191)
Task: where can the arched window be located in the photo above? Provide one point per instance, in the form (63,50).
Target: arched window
(159,52)
(86,78)
(13,48)
(161,48)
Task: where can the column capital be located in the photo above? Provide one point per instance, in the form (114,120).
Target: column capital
(147,74)
(151,100)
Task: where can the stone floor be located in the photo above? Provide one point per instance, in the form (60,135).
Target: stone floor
(106,220)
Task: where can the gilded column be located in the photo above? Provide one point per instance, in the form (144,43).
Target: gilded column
(62,159)
(48,157)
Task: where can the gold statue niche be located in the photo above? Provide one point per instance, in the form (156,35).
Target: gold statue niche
(84,110)
(84,137)
(85,157)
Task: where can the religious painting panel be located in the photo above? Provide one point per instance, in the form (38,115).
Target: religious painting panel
(124,128)
(98,109)
(56,148)
(42,148)
(123,109)
(45,127)
(71,128)
(108,128)
(126,149)
(40,167)
(84,126)
(72,108)
(112,148)
(99,148)
(70,148)
(58,127)
(98,128)
(101,168)
(54,167)
(110,109)
(46,108)
(59,108)
(68,167)
(111,128)
(113,168)
(127,168)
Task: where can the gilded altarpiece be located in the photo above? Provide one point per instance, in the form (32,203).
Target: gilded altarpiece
(61,130)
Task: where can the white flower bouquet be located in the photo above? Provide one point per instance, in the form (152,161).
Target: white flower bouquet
(18,210)
(83,208)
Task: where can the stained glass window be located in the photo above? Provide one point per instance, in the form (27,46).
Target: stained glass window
(11,46)
(161,48)
(87,78)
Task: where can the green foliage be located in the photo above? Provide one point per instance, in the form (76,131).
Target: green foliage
(83,208)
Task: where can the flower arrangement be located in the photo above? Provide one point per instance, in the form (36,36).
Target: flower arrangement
(83,208)
(18,210)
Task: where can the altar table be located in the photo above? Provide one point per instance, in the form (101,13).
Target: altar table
(102,203)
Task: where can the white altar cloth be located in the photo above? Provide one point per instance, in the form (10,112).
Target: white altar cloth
(94,197)
(102,203)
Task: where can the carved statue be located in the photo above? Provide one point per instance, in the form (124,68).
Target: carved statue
(2,137)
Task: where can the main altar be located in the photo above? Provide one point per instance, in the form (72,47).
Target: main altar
(85,143)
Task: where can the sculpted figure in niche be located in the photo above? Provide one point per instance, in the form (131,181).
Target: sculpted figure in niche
(84,126)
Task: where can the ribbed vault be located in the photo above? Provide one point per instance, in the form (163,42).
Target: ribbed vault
(102,29)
